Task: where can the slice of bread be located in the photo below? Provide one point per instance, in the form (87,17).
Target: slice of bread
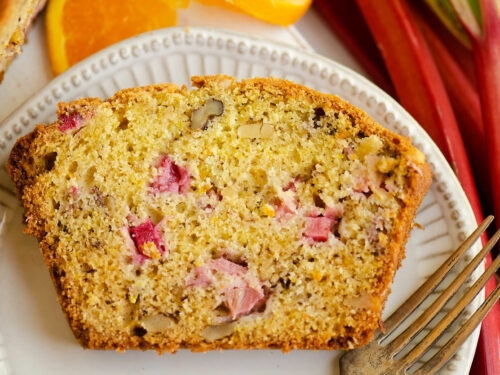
(253,214)
(16,17)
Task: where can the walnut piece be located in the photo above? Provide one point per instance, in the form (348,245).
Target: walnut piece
(212,333)
(157,323)
(200,116)
(255,131)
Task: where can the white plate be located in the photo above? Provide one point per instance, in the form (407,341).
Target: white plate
(36,338)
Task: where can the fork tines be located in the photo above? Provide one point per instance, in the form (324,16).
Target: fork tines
(377,359)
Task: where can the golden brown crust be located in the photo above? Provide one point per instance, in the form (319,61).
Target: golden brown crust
(23,172)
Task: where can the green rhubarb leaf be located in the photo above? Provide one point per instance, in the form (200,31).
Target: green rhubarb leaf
(445,12)
(468,12)
(475,6)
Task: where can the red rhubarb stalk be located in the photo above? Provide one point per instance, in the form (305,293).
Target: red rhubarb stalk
(486,49)
(418,84)
(461,52)
(465,101)
(448,17)
(345,19)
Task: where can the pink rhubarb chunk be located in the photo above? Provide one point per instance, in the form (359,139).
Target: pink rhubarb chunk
(222,265)
(202,277)
(283,211)
(171,178)
(144,233)
(226,266)
(74,192)
(334,212)
(361,184)
(241,300)
(318,228)
(73,121)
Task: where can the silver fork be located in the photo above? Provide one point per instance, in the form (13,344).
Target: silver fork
(375,358)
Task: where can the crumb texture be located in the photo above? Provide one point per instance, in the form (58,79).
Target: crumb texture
(253,214)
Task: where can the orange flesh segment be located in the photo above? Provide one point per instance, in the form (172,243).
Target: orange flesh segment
(280,12)
(92,25)
(219,3)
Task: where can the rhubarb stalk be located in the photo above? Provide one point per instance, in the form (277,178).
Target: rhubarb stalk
(461,53)
(486,48)
(445,12)
(485,41)
(465,101)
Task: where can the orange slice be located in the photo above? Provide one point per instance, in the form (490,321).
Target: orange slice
(78,28)
(219,3)
(280,12)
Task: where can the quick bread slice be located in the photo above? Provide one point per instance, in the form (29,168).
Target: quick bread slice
(16,18)
(252,214)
